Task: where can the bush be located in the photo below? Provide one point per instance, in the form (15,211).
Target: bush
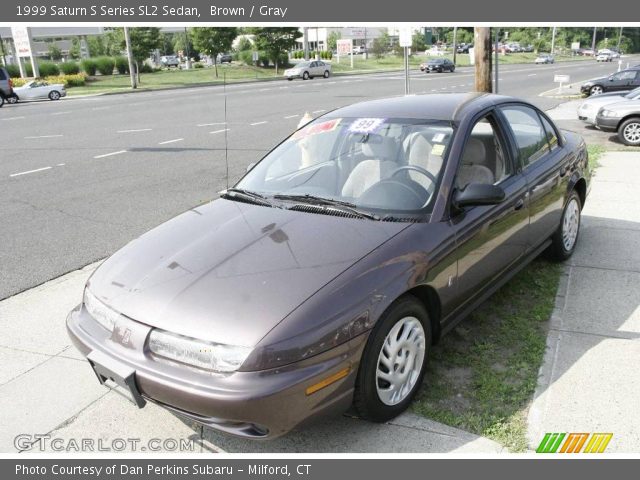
(75,80)
(48,69)
(198,65)
(146,68)
(13,71)
(246,57)
(18,82)
(89,66)
(70,68)
(122,65)
(105,65)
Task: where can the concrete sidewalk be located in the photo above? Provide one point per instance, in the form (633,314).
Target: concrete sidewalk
(589,380)
(47,387)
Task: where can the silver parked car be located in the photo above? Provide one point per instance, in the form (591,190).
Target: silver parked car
(588,110)
(544,58)
(307,70)
(38,90)
(623,118)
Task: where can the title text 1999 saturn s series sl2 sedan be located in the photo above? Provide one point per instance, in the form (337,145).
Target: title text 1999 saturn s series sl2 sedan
(323,278)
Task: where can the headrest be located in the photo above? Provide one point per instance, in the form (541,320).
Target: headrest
(475,152)
(419,149)
(379,147)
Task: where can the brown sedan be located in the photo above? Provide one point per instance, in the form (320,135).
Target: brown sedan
(323,278)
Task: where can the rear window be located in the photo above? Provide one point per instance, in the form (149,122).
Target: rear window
(3,76)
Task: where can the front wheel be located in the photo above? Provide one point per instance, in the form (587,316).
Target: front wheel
(54,95)
(629,132)
(305,76)
(453,69)
(13,99)
(326,74)
(564,240)
(595,90)
(1,101)
(394,361)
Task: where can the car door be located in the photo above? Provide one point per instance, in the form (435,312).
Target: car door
(545,167)
(489,238)
(313,69)
(621,81)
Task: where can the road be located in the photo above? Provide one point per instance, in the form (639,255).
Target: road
(79,178)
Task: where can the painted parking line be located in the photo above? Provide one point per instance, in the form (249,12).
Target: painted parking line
(291,116)
(13,118)
(318,111)
(110,154)
(29,171)
(258,123)
(62,113)
(171,141)
(135,130)
(210,124)
(220,131)
(43,136)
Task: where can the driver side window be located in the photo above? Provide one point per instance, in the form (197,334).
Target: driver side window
(483,158)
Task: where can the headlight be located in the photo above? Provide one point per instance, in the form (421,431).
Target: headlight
(209,356)
(609,113)
(102,314)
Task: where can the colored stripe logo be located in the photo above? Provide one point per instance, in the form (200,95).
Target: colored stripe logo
(574,443)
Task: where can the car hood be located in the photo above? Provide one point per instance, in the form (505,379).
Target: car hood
(604,98)
(625,107)
(229,272)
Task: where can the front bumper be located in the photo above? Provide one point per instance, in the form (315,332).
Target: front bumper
(609,124)
(261,404)
(584,89)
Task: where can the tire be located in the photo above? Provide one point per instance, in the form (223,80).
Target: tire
(453,69)
(290,79)
(596,90)
(629,132)
(1,101)
(562,246)
(54,95)
(374,397)
(305,76)
(13,99)
(326,74)
(440,70)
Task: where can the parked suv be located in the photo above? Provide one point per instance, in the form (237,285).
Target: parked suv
(6,86)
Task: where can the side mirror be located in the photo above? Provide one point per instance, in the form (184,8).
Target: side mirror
(478,194)
(250,166)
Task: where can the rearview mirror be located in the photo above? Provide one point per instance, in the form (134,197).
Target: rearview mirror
(479,194)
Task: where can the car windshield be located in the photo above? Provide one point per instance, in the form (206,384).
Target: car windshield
(377,164)
(633,94)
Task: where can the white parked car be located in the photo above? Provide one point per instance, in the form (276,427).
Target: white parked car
(604,57)
(38,90)
(307,70)
(588,110)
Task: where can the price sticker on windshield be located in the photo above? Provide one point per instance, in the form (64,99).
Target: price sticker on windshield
(366,125)
(316,128)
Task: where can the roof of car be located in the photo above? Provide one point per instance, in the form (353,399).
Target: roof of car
(438,106)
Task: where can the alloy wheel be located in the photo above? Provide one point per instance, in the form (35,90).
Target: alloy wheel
(400,361)
(631,133)
(596,90)
(570,224)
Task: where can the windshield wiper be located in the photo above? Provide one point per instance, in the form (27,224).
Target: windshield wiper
(328,202)
(245,196)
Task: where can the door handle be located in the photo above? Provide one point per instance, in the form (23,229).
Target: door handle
(519,204)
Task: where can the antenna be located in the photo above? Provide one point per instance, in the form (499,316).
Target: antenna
(226,147)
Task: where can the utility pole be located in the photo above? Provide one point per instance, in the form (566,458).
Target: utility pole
(4,54)
(497,59)
(132,70)
(455,43)
(553,39)
(593,42)
(619,39)
(366,50)
(305,42)
(482,57)
(186,46)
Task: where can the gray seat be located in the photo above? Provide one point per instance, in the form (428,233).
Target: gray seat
(472,169)
(379,166)
(418,153)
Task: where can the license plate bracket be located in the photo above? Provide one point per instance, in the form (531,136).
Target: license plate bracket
(109,369)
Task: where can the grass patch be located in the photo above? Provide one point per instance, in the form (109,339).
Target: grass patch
(595,152)
(483,374)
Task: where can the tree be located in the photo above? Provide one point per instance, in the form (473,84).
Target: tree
(54,52)
(417,43)
(180,43)
(332,40)
(379,47)
(143,41)
(244,45)
(213,41)
(276,40)
(74,51)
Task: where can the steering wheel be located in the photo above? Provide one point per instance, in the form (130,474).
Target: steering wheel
(415,168)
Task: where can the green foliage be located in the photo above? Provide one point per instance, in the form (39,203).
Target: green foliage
(105,65)
(213,41)
(246,57)
(379,47)
(146,68)
(70,68)
(54,52)
(332,40)
(180,44)
(276,40)
(48,69)
(244,44)
(75,80)
(143,41)
(96,45)
(74,51)
(13,70)
(417,43)
(89,66)
(122,64)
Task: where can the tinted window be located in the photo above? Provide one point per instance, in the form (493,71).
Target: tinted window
(552,138)
(528,132)
(2,75)
(628,75)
